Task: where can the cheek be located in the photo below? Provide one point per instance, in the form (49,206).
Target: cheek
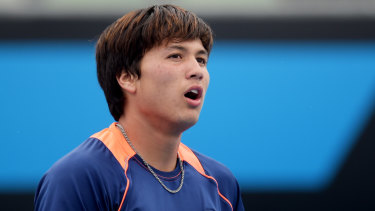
(207,79)
(164,74)
(159,82)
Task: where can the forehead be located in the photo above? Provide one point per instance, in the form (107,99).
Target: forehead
(186,45)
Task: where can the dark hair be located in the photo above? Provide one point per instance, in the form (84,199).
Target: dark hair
(122,45)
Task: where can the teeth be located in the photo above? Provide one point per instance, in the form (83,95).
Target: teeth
(194,91)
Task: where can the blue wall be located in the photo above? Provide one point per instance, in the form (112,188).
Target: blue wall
(280,115)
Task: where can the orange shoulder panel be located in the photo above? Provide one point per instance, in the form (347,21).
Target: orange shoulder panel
(187,155)
(113,139)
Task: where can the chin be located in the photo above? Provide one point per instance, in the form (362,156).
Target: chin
(187,123)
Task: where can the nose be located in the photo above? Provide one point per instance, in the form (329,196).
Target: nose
(195,71)
(196,75)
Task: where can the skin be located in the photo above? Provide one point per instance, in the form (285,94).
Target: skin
(156,111)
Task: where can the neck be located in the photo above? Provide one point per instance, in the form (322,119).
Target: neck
(157,147)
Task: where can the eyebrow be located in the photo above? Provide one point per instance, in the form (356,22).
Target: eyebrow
(181,48)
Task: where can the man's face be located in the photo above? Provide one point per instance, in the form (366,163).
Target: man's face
(173,84)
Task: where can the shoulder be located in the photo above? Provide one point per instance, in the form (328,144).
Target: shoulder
(214,168)
(79,179)
(91,157)
(226,181)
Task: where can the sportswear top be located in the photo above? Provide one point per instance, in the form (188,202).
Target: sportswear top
(104,173)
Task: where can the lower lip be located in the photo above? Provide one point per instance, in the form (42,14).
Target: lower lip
(192,102)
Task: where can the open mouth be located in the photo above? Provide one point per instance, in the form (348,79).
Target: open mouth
(194,93)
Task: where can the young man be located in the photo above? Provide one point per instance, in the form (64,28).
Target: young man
(151,64)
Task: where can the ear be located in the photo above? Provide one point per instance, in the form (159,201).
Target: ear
(127,82)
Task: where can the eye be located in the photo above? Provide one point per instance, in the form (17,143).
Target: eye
(202,61)
(175,56)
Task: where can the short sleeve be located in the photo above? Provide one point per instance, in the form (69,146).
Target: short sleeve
(89,178)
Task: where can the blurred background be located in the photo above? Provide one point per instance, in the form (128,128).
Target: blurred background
(290,108)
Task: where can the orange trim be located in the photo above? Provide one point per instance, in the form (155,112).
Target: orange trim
(127,184)
(113,139)
(187,155)
(221,195)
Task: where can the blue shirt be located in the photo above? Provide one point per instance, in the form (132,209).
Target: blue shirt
(104,173)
